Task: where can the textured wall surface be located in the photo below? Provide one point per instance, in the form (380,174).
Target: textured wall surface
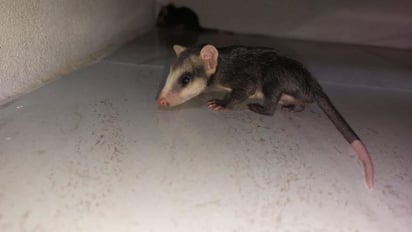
(381,23)
(40,40)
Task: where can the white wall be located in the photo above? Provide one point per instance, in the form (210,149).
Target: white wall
(41,40)
(382,23)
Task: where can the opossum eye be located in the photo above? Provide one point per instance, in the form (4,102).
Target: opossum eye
(185,79)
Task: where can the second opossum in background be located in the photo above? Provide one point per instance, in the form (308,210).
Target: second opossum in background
(253,71)
(183,17)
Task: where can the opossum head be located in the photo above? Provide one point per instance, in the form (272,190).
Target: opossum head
(165,15)
(189,75)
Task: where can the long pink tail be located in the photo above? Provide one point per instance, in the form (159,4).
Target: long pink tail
(326,105)
(364,157)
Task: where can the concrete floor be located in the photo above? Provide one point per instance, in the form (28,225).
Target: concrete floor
(92,151)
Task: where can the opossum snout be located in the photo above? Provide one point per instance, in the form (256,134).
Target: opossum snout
(163,102)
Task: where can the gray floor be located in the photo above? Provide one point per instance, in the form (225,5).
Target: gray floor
(93,152)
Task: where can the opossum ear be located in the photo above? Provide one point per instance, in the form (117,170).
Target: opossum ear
(209,55)
(178,49)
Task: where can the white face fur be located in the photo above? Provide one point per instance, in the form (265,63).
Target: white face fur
(187,78)
(182,84)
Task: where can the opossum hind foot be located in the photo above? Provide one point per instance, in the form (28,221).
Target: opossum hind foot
(293,108)
(260,109)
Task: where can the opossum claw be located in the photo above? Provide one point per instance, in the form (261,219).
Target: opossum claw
(215,105)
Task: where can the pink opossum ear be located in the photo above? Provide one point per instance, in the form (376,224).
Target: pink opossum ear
(209,55)
(178,49)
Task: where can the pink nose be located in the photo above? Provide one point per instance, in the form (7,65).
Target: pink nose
(162,102)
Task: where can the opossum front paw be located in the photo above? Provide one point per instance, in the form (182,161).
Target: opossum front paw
(216,105)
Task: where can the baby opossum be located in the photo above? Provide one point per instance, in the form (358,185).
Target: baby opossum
(171,16)
(253,71)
